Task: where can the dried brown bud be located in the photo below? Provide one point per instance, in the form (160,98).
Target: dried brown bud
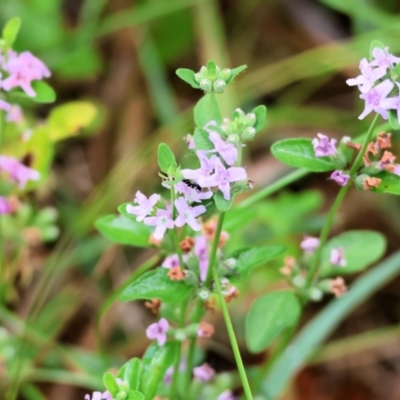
(176,274)
(387,160)
(232,293)
(371,182)
(186,244)
(205,329)
(153,305)
(338,286)
(383,140)
(355,146)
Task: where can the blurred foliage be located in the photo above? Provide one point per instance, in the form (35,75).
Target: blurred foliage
(123,55)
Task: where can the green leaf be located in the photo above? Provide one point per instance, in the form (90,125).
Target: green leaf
(299,153)
(268,316)
(111,383)
(390,183)
(156,284)
(394,122)
(318,329)
(361,249)
(130,372)
(220,202)
(10,31)
(212,70)
(44,93)
(206,110)
(202,140)
(235,72)
(157,360)
(124,230)
(374,44)
(135,395)
(253,257)
(166,158)
(260,113)
(187,75)
(70,119)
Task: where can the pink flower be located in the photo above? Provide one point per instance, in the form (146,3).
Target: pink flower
(323,147)
(226,395)
(374,99)
(162,221)
(203,373)
(206,167)
(14,114)
(171,261)
(227,151)
(145,205)
(337,257)
(191,194)
(340,177)
(382,58)
(223,177)
(17,171)
(99,396)
(187,214)
(158,331)
(5,206)
(201,252)
(309,244)
(368,76)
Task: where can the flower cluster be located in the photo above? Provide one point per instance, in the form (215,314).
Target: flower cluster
(212,78)
(297,270)
(376,83)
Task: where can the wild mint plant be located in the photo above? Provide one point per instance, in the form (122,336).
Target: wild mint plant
(184,220)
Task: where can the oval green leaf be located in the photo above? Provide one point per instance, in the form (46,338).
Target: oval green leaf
(111,383)
(268,316)
(361,249)
(124,230)
(166,158)
(156,284)
(390,183)
(187,75)
(299,152)
(235,72)
(206,110)
(222,204)
(252,257)
(202,140)
(260,112)
(130,372)
(10,31)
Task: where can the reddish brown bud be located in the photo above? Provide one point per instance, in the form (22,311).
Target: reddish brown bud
(176,274)
(288,265)
(383,140)
(338,286)
(205,329)
(153,305)
(186,244)
(371,182)
(355,146)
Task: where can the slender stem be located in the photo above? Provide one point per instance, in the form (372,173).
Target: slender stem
(279,184)
(2,263)
(199,308)
(336,204)
(232,338)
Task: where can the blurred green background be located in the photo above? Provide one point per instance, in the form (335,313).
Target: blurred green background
(122,55)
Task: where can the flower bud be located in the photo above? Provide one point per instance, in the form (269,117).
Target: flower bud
(315,294)
(122,396)
(219,86)
(203,294)
(203,70)
(238,114)
(230,262)
(206,85)
(299,281)
(198,77)
(124,386)
(225,74)
(248,133)
(234,139)
(180,335)
(250,119)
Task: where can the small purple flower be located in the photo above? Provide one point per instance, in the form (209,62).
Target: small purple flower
(203,373)
(206,166)
(324,147)
(374,97)
(191,194)
(145,205)
(201,252)
(98,396)
(226,395)
(368,76)
(158,331)
(337,257)
(222,178)
(187,214)
(5,206)
(171,261)
(227,151)
(382,58)
(162,221)
(309,244)
(340,177)
(392,103)
(17,171)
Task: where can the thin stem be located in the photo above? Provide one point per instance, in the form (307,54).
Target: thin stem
(232,338)
(2,267)
(199,309)
(336,204)
(273,188)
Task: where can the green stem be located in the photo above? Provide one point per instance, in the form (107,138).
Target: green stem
(199,308)
(273,188)
(3,284)
(336,204)
(232,338)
